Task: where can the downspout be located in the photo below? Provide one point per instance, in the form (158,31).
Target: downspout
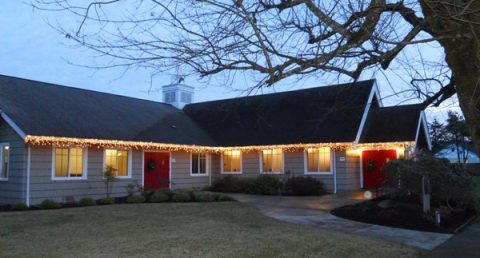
(334,173)
(27,190)
(209,170)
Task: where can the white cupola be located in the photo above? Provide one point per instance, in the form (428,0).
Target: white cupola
(177,93)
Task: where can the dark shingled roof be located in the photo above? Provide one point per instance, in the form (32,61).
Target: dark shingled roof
(316,115)
(391,124)
(45,109)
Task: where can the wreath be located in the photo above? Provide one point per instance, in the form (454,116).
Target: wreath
(370,165)
(152,165)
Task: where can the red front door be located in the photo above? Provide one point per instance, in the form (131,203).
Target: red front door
(156,170)
(372,163)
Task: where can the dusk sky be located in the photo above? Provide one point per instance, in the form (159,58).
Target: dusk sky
(32,49)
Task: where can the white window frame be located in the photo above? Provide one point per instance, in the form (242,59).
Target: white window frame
(262,171)
(207,164)
(3,145)
(232,172)
(68,178)
(305,163)
(129,163)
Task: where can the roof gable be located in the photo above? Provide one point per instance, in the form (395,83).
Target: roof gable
(44,109)
(392,124)
(316,115)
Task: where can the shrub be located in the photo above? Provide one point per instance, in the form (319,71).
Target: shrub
(304,186)
(231,184)
(205,197)
(107,200)
(86,202)
(136,199)
(50,204)
(219,197)
(159,196)
(447,184)
(182,197)
(265,184)
(19,206)
(476,194)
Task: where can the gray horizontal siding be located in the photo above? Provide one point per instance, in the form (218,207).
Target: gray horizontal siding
(347,171)
(181,178)
(13,190)
(43,187)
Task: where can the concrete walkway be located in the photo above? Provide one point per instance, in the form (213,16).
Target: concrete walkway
(315,211)
(466,244)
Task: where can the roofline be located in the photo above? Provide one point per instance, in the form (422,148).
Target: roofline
(83,89)
(282,92)
(13,125)
(33,140)
(422,121)
(374,92)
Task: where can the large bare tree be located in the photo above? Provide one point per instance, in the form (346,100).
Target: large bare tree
(277,39)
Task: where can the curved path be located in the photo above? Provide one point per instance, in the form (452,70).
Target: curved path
(315,211)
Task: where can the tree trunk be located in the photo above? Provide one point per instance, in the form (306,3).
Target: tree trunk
(459,37)
(463,60)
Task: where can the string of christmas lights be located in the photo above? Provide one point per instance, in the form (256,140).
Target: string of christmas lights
(134,145)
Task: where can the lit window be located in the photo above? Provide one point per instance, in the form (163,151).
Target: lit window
(4,154)
(118,160)
(319,160)
(272,161)
(232,161)
(170,97)
(199,164)
(69,163)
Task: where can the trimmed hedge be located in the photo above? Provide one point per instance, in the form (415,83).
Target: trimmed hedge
(231,184)
(304,186)
(159,196)
(204,197)
(50,204)
(87,202)
(107,200)
(19,207)
(136,199)
(182,197)
(219,197)
(263,184)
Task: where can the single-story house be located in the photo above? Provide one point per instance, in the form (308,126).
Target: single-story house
(56,141)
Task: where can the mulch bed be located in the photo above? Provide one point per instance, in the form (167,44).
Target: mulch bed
(405,214)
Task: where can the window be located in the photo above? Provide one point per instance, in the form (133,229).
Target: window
(272,161)
(170,97)
(232,162)
(119,160)
(318,160)
(69,163)
(186,97)
(4,155)
(199,164)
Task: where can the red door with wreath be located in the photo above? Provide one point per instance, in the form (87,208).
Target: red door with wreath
(372,163)
(156,170)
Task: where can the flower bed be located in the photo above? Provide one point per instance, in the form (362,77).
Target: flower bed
(402,213)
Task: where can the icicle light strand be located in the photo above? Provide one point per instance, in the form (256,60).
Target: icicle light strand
(133,145)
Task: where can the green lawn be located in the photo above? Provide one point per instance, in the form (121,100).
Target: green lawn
(227,229)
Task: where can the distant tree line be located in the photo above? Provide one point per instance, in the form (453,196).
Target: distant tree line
(453,134)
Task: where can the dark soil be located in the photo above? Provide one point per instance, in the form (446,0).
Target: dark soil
(405,214)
